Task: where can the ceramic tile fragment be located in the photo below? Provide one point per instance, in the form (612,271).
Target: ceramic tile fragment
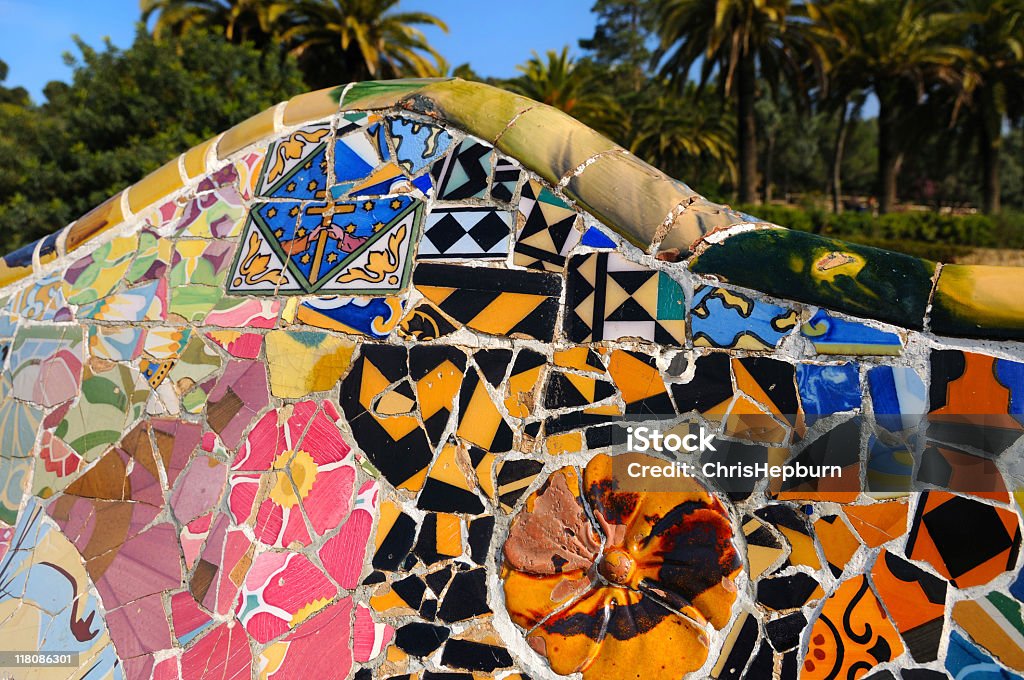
(851,633)
(965,540)
(542,571)
(809,268)
(512,303)
(833,335)
(347,246)
(611,298)
(374,317)
(548,230)
(994,622)
(416,143)
(728,319)
(302,362)
(964,659)
(971,402)
(464,172)
(455,233)
(915,601)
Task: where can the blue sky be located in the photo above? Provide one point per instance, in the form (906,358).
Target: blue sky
(493,37)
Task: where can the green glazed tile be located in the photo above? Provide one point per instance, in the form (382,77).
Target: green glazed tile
(628,195)
(476,108)
(868,282)
(381,94)
(979,301)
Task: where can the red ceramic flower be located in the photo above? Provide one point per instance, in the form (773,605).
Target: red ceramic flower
(609,600)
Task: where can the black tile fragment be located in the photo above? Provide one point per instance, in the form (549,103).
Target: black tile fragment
(784,633)
(466,597)
(475,656)
(411,590)
(420,639)
(786,592)
(493,364)
(480,532)
(396,544)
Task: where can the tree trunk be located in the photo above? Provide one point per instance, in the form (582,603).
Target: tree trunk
(889,157)
(769,154)
(746,132)
(990,142)
(837,160)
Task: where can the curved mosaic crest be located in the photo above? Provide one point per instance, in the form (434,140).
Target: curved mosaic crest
(342,393)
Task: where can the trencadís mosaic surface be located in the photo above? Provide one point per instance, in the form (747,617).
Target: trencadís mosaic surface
(337,393)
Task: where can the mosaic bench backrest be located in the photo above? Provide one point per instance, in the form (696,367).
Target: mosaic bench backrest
(334,395)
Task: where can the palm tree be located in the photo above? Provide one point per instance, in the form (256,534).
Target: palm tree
(337,40)
(738,40)
(901,50)
(686,136)
(240,20)
(997,77)
(573,86)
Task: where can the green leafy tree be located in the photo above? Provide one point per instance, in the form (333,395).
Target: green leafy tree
(576,87)
(996,70)
(687,135)
(903,51)
(621,40)
(342,40)
(124,114)
(738,40)
(240,20)
(11,95)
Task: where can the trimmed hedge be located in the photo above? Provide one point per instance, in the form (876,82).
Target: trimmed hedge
(931,229)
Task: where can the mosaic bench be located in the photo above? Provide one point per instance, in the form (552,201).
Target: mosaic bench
(340,393)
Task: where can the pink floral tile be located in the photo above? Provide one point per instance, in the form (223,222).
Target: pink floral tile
(281,591)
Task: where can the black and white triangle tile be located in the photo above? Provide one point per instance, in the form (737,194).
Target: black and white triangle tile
(466,232)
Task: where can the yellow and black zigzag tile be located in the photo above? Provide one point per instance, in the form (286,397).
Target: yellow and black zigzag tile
(640,383)
(396,532)
(709,391)
(610,297)
(581,359)
(437,371)
(514,478)
(493,363)
(547,233)
(569,390)
(480,422)
(396,444)
(449,487)
(521,398)
(493,301)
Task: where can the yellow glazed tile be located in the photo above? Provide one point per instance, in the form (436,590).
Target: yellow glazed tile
(302,362)
(154,186)
(979,301)
(628,195)
(696,220)
(552,143)
(311,106)
(95,222)
(195,158)
(245,133)
(568,442)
